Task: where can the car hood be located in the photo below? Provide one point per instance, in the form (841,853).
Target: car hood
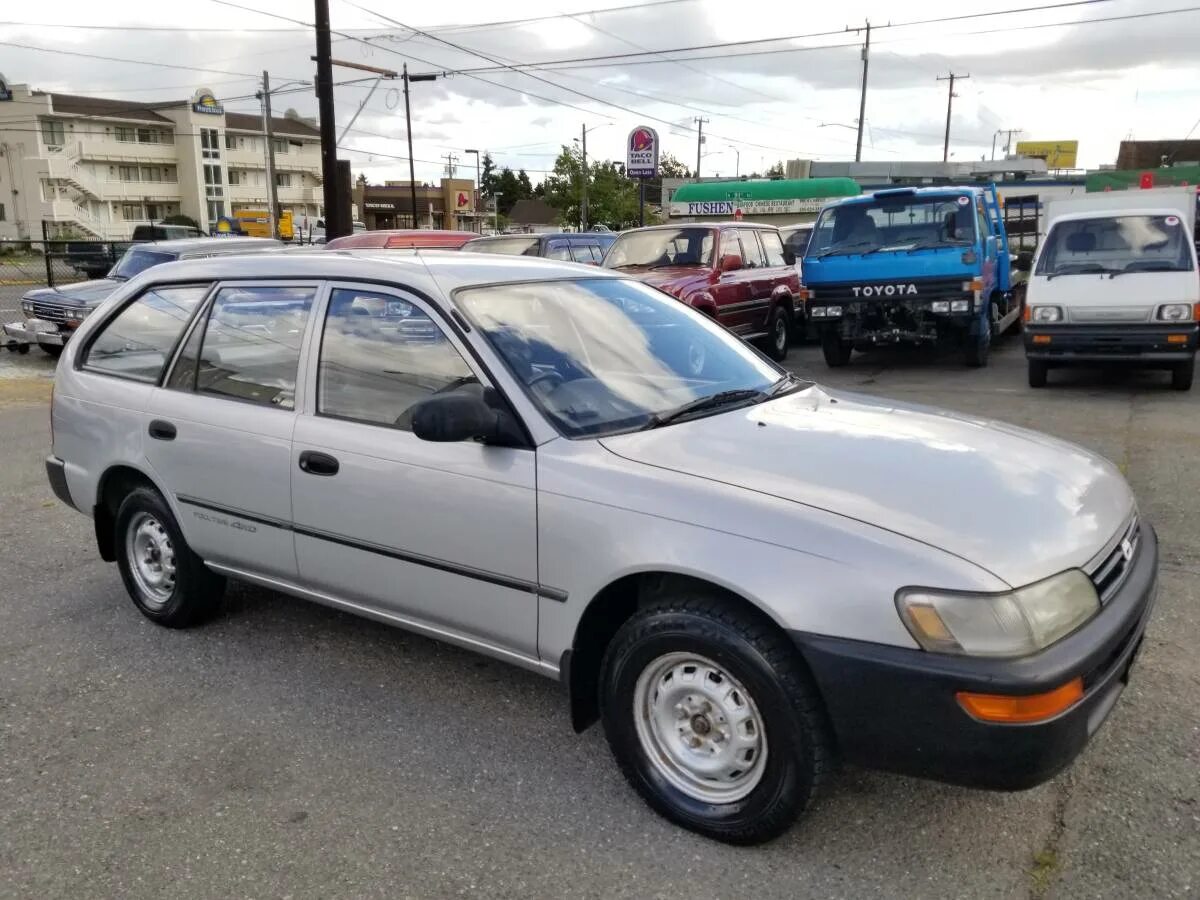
(1019,504)
(1132,297)
(82,293)
(670,278)
(898,265)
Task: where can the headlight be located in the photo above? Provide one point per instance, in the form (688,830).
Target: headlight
(78,314)
(27,307)
(817,312)
(960,305)
(940,306)
(833,311)
(1016,623)
(1174,312)
(1047,314)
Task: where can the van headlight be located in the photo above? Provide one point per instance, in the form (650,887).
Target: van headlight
(1044,314)
(27,308)
(1174,312)
(1015,623)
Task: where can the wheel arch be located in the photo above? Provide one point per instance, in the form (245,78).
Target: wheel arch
(608,610)
(116,482)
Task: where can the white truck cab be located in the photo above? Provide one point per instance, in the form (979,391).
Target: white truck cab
(1115,282)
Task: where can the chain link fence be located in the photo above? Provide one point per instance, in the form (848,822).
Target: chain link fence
(26,264)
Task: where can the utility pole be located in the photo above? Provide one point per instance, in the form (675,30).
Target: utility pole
(862,100)
(333,227)
(1008,140)
(583,198)
(737,166)
(412,177)
(700,120)
(478,191)
(952,77)
(269,155)
(451,159)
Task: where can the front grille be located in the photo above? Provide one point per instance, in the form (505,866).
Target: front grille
(1109,570)
(901,289)
(50,312)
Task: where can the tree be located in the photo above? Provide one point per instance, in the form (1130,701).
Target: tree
(511,188)
(776,171)
(180,219)
(670,167)
(487,175)
(612,197)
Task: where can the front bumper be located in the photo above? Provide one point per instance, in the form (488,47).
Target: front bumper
(1110,343)
(875,322)
(34,331)
(895,708)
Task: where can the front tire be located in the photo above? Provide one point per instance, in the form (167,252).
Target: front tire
(167,582)
(779,333)
(1181,375)
(979,347)
(54,350)
(1037,373)
(836,351)
(713,719)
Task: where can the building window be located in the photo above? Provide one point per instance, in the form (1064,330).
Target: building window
(281,145)
(212,175)
(128,173)
(52,133)
(235,177)
(210,143)
(229,141)
(154,211)
(216,209)
(283,179)
(131,212)
(1,212)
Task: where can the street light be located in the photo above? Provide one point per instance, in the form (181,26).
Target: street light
(412,172)
(737,169)
(478,185)
(583,202)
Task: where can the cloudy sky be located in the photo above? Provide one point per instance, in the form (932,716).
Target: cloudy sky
(1056,74)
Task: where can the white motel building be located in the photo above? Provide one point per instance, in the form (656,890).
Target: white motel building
(89,167)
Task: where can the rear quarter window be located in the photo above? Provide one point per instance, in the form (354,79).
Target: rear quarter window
(138,341)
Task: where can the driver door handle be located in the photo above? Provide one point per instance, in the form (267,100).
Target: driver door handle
(316,463)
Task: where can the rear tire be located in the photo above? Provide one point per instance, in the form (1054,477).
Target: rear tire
(837,351)
(1181,375)
(713,718)
(167,582)
(779,333)
(1037,373)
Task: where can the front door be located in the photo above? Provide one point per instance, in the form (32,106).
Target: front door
(220,429)
(439,534)
(733,291)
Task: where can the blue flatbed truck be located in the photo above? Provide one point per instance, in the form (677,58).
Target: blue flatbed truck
(912,266)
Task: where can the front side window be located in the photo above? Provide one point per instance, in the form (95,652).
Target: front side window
(380,355)
(251,345)
(582,253)
(1116,244)
(893,224)
(605,355)
(752,255)
(137,342)
(658,247)
(773,247)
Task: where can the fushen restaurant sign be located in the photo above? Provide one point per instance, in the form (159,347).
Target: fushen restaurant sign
(748,207)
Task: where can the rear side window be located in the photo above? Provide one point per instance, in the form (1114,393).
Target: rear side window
(752,255)
(773,246)
(250,349)
(558,250)
(138,341)
(582,253)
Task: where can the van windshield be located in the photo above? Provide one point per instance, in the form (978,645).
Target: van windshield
(1115,245)
(888,224)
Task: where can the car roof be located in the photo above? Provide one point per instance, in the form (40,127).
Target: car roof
(767,225)
(418,236)
(419,269)
(184,245)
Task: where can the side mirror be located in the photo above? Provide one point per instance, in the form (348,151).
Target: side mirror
(1024,261)
(446,418)
(730,262)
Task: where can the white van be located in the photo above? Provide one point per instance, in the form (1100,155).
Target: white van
(1115,282)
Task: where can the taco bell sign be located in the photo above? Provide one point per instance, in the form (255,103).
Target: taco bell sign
(641,152)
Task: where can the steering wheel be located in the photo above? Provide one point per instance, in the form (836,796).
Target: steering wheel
(546,376)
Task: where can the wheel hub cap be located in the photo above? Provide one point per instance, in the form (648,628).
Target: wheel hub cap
(151,559)
(700,728)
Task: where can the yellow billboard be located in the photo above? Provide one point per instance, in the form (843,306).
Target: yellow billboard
(1057,154)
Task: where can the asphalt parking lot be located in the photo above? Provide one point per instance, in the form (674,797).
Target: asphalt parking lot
(290,750)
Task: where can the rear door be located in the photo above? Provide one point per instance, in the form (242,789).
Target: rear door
(219,430)
(442,535)
(752,315)
(733,291)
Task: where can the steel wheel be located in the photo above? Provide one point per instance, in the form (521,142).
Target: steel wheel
(151,558)
(779,337)
(699,728)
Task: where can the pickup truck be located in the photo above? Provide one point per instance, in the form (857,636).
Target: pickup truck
(736,272)
(912,266)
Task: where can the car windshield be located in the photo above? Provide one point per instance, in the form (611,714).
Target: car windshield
(606,355)
(136,261)
(659,247)
(1116,244)
(890,224)
(515,246)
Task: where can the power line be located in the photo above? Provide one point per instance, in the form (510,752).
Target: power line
(526,21)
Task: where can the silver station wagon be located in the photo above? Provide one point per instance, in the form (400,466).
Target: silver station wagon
(743,575)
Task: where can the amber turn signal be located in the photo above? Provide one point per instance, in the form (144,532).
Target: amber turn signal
(1030,708)
(1177,338)
(1041,338)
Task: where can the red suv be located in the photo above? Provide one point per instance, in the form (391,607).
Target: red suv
(736,272)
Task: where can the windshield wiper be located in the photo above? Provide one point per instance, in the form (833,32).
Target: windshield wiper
(847,248)
(1095,270)
(933,245)
(784,385)
(713,401)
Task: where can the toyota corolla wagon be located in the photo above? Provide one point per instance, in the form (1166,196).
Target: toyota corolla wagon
(742,574)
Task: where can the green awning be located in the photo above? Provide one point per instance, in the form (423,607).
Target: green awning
(781,189)
(1124,179)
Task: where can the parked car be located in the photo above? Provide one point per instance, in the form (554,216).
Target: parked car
(162,232)
(795,240)
(740,572)
(735,272)
(402,239)
(584,247)
(1078,313)
(51,315)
